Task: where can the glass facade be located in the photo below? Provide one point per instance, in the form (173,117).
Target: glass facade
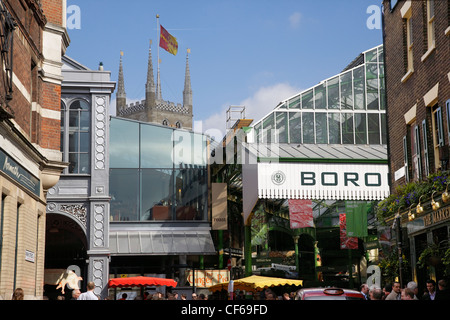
(156,172)
(348,108)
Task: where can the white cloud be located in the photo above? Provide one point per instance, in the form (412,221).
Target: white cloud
(264,100)
(294,20)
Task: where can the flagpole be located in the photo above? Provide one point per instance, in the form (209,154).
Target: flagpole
(157,37)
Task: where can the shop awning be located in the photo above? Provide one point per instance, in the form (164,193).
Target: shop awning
(256,283)
(161,242)
(140,282)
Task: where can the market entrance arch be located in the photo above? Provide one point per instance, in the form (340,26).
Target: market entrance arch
(65,256)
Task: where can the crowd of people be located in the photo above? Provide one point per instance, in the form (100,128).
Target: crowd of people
(411,291)
(394,291)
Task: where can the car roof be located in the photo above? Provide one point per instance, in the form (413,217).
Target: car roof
(331,291)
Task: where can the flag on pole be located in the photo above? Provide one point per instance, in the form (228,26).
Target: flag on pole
(168,42)
(346,241)
(300,214)
(356,218)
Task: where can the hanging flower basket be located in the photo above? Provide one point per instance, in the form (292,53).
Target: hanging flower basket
(429,257)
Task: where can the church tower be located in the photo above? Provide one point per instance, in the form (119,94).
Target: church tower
(153,108)
(121,96)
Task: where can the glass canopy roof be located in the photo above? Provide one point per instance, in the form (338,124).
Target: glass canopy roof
(348,108)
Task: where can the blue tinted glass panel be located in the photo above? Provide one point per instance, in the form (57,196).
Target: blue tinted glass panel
(156,147)
(157,194)
(191,194)
(124,144)
(124,191)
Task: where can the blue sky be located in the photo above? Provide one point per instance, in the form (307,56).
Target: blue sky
(249,52)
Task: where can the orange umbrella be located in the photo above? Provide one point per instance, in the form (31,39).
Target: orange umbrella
(140,282)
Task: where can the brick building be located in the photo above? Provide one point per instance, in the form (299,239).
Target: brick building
(417,49)
(417,59)
(34,38)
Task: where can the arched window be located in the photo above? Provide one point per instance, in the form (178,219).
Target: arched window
(165,122)
(178,124)
(75,136)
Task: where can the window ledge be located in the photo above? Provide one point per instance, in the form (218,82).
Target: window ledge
(407,75)
(447,31)
(429,51)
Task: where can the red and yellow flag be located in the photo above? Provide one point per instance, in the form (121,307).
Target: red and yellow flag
(168,42)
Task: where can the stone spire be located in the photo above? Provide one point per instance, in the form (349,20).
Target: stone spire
(150,92)
(187,92)
(121,96)
(150,85)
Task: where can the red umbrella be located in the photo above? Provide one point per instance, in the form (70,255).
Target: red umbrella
(140,282)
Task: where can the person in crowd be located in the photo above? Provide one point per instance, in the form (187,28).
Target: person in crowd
(396,293)
(407,294)
(387,289)
(413,286)
(89,294)
(194,296)
(240,295)
(286,296)
(431,290)
(124,297)
(183,296)
(375,293)
(365,290)
(170,296)
(271,296)
(443,293)
(18,294)
(75,294)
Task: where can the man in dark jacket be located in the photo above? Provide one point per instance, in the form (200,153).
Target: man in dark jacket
(431,290)
(443,293)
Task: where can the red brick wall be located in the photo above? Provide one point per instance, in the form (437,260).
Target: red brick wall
(28,57)
(53,11)
(402,96)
